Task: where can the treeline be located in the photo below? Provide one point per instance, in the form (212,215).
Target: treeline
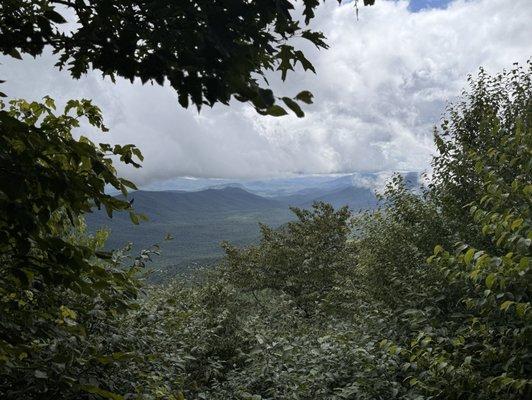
(427,297)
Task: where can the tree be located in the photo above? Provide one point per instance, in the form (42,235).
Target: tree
(59,292)
(476,124)
(393,243)
(303,259)
(473,337)
(208,51)
(492,335)
(61,296)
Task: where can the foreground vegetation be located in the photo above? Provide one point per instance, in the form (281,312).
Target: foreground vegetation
(428,297)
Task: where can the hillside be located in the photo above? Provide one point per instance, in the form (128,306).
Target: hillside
(355,198)
(200,220)
(213,200)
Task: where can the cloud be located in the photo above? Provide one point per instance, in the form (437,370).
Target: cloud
(379,89)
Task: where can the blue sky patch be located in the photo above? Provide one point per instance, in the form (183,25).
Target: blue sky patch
(419,5)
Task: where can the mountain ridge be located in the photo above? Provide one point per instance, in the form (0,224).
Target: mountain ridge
(200,219)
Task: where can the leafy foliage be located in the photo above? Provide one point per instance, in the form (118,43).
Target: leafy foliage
(301,259)
(474,339)
(311,312)
(394,242)
(208,51)
(490,335)
(427,297)
(478,123)
(59,294)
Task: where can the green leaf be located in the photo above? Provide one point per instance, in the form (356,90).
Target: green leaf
(521,308)
(469,256)
(317,38)
(438,249)
(490,280)
(15,54)
(305,96)
(506,305)
(304,61)
(266,97)
(285,54)
(54,16)
(128,183)
(134,218)
(276,111)
(293,106)
(182,98)
(517,223)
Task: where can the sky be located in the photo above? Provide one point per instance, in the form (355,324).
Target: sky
(419,5)
(379,90)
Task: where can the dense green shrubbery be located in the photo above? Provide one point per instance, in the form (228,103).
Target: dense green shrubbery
(59,293)
(303,259)
(430,299)
(481,346)
(427,297)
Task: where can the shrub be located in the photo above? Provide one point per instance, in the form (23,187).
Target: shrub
(59,293)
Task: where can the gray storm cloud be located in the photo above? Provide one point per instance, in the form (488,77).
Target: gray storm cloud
(379,89)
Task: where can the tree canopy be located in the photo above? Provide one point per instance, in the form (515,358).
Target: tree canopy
(208,51)
(58,289)
(414,306)
(427,297)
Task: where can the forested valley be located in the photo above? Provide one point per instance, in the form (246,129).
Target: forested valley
(427,296)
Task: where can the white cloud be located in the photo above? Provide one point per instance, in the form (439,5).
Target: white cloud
(379,89)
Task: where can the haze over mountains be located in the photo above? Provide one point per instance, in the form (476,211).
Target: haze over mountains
(204,212)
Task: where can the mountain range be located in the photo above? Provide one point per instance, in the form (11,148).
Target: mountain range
(198,220)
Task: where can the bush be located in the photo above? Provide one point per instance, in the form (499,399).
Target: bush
(304,259)
(474,341)
(427,297)
(59,293)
